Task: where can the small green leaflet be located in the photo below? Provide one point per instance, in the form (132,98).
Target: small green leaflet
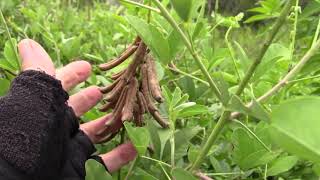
(139,136)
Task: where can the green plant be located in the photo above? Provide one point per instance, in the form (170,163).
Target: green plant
(240,97)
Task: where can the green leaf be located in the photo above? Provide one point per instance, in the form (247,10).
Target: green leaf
(256,110)
(96,171)
(152,37)
(182,138)
(10,54)
(183,8)
(155,139)
(181,174)
(281,165)
(4,86)
(193,111)
(139,136)
(295,127)
(248,153)
(176,96)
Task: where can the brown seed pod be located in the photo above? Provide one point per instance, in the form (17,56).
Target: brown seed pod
(109,88)
(127,112)
(138,59)
(117,112)
(124,56)
(118,75)
(115,93)
(138,116)
(156,115)
(153,82)
(142,102)
(107,106)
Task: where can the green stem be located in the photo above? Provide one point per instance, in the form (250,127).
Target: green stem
(165,172)
(188,44)
(3,20)
(141,5)
(304,79)
(131,168)
(157,161)
(211,139)
(190,76)
(275,29)
(232,52)
(294,31)
(316,34)
(312,51)
(254,135)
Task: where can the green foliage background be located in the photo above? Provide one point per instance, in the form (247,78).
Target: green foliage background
(248,148)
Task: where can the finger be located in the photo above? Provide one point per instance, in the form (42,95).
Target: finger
(119,156)
(34,57)
(84,100)
(73,74)
(92,128)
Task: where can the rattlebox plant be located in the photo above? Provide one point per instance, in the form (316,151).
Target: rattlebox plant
(201,91)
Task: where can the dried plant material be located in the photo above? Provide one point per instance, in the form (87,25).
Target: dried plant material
(153,82)
(127,112)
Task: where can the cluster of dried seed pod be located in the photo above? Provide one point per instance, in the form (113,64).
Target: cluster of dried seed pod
(131,94)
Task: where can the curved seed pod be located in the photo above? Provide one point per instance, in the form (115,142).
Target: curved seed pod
(138,59)
(117,112)
(156,115)
(138,116)
(127,112)
(107,106)
(117,75)
(142,102)
(109,88)
(124,56)
(153,82)
(115,93)
(145,89)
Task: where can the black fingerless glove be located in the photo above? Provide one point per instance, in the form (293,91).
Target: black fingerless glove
(39,133)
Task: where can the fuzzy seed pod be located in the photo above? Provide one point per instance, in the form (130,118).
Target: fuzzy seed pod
(109,88)
(115,93)
(118,75)
(107,106)
(124,56)
(127,112)
(156,115)
(153,82)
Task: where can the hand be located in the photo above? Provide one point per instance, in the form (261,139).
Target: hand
(34,57)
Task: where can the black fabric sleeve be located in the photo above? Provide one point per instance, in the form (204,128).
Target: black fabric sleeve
(79,151)
(36,124)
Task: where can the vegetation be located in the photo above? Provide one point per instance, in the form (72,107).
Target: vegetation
(239,92)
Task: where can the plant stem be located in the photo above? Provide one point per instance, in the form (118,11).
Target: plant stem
(211,139)
(232,52)
(190,76)
(131,168)
(312,51)
(303,79)
(141,5)
(155,160)
(316,34)
(225,115)
(3,20)
(188,44)
(275,29)
(254,135)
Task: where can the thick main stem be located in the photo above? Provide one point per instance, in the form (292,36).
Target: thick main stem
(226,114)
(275,29)
(188,44)
(211,139)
